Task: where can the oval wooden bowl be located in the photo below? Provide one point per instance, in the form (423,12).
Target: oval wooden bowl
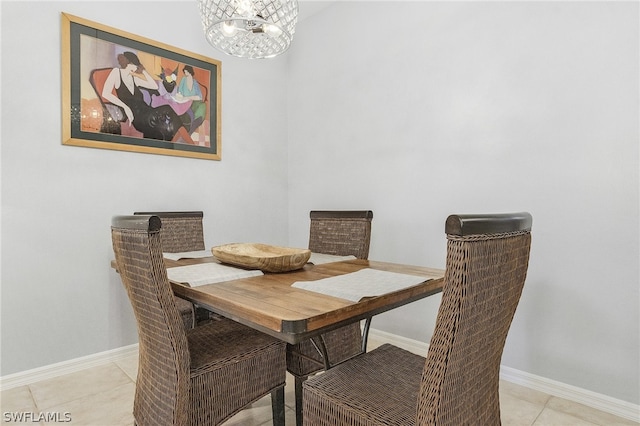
(265,257)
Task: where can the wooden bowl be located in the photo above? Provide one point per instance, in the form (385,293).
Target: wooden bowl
(262,256)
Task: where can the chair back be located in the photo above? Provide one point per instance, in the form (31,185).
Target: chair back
(341,232)
(487,261)
(181,231)
(162,385)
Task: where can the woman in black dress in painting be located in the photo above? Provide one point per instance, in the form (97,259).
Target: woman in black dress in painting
(154,123)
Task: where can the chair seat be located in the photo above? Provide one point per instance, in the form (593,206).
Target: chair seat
(376,388)
(224,340)
(231,367)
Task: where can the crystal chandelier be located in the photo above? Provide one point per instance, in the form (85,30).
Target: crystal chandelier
(249,28)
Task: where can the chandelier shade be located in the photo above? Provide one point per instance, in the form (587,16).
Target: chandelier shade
(249,28)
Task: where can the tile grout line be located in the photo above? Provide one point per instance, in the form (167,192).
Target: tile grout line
(125,372)
(542,410)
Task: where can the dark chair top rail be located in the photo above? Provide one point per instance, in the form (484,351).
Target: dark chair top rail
(356,214)
(479,224)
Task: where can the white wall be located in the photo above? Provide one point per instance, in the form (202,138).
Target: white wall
(457,107)
(421,109)
(60,298)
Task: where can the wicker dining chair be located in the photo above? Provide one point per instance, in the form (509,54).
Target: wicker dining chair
(181,231)
(201,376)
(457,384)
(341,233)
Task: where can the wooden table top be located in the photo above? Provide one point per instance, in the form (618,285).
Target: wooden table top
(268,303)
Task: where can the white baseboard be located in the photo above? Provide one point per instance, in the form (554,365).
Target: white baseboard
(66,367)
(417,347)
(595,400)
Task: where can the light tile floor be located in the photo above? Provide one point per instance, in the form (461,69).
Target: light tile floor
(103,396)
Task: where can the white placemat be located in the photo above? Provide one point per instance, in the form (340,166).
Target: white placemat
(320,258)
(208,273)
(363,283)
(188,255)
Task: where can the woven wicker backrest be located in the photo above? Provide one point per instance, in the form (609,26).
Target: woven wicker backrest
(162,385)
(181,231)
(341,233)
(487,260)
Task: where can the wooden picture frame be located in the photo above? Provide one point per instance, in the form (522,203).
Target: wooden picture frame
(177,116)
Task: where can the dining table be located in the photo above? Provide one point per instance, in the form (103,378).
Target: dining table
(282,305)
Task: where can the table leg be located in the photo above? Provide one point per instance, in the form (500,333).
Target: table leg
(277,406)
(298,391)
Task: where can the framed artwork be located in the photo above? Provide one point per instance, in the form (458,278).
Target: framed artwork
(125,92)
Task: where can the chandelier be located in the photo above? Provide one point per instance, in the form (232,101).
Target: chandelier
(249,28)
